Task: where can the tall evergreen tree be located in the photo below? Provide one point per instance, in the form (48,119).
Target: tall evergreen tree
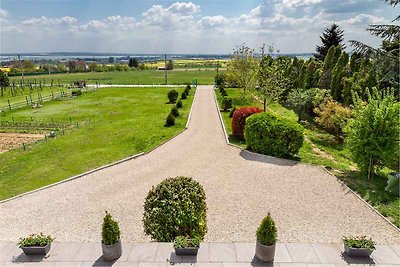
(339,72)
(332,36)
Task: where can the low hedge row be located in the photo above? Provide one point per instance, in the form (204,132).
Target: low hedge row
(173,96)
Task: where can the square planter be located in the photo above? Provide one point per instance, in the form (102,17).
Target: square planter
(187,251)
(357,252)
(36,250)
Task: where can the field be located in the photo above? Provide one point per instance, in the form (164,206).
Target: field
(322,148)
(108,125)
(128,77)
(191,63)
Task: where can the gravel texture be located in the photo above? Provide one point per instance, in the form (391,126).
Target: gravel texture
(307,204)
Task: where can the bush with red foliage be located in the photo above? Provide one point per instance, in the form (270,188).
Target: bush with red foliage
(239,119)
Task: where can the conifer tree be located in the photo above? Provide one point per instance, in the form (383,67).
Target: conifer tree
(332,36)
(339,71)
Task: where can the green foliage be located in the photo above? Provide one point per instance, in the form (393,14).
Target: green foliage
(173,96)
(326,75)
(332,36)
(133,62)
(303,101)
(226,103)
(219,79)
(266,232)
(339,71)
(359,242)
(393,184)
(269,134)
(4,82)
(170,120)
(373,134)
(175,111)
(179,104)
(232,111)
(169,65)
(35,240)
(333,117)
(186,242)
(110,231)
(175,207)
(183,95)
(77,92)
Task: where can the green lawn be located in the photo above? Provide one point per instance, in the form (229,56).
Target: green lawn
(128,77)
(123,122)
(324,149)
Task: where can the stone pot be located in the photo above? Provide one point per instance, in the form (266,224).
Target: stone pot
(265,253)
(36,250)
(112,252)
(357,252)
(187,251)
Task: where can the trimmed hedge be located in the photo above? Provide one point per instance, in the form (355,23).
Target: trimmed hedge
(175,207)
(269,134)
(239,119)
(226,103)
(170,120)
(172,96)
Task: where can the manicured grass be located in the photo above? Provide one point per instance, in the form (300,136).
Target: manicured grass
(128,77)
(123,122)
(324,149)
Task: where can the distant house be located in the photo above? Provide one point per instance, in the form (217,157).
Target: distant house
(160,68)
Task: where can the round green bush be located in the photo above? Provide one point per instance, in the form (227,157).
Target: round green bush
(172,96)
(175,207)
(175,111)
(226,103)
(269,134)
(170,121)
(183,95)
(179,104)
(266,232)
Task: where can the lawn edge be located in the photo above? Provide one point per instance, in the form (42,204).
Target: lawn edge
(299,162)
(104,166)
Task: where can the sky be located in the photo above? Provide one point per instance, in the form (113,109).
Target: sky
(193,27)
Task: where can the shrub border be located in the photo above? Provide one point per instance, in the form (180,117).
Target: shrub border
(104,166)
(297,162)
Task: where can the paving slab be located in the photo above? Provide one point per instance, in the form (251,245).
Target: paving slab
(64,252)
(329,253)
(385,255)
(143,252)
(208,264)
(245,251)
(300,252)
(222,252)
(282,253)
(396,248)
(89,252)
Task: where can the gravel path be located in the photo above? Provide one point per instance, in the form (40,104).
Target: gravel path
(307,203)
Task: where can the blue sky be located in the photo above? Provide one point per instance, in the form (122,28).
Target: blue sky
(213,26)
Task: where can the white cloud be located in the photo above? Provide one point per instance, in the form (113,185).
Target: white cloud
(365,19)
(299,3)
(184,8)
(213,21)
(3,15)
(45,21)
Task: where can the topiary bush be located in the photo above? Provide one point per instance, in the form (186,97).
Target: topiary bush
(232,111)
(188,87)
(179,104)
(172,96)
(239,119)
(175,207)
(269,134)
(175,111)
(183,95)
(266,232)
(110,232)
(226,103)
(170,121)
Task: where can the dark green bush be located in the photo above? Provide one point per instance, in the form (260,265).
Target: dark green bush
(184,95)
(226,103)
(110,232)
(77,92)
(271,135)
(179,104)
(175,111)
(175,207)
(170,121)
(219,79)
(172,96)
(188,87)
(266,232)
(186,92)
(232,111)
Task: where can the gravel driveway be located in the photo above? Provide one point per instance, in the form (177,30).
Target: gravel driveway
(307,204)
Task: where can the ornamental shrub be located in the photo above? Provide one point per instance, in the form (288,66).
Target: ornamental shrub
(187,91)
(110,232)
(333,117)
(232,111)
(219,79)
(304,101)
(179,104)
(188,87)
(175,207)
(226,103)
(170,121)
(183,95)
(269,134)
(172,96)
(266,232)
(35,240)
(239,119)
(175,111)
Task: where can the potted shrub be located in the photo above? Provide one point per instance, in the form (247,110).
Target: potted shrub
(36,244)
(185,246)
(358,246)
(111,241)
(266,239)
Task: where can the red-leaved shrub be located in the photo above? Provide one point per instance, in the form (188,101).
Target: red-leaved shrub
(239,119)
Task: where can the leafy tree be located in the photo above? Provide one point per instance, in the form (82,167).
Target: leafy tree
(373,134)
(243,67)
(303,101)
(271,77)
(133,62)
(332,36)
(111,60)
(4,82)
(93,66)
(170,65)
(386,57)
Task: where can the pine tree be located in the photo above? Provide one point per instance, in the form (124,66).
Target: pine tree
(329,63)
(332,36)
(339,71)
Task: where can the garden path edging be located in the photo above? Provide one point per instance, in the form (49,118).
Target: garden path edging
(297,162)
